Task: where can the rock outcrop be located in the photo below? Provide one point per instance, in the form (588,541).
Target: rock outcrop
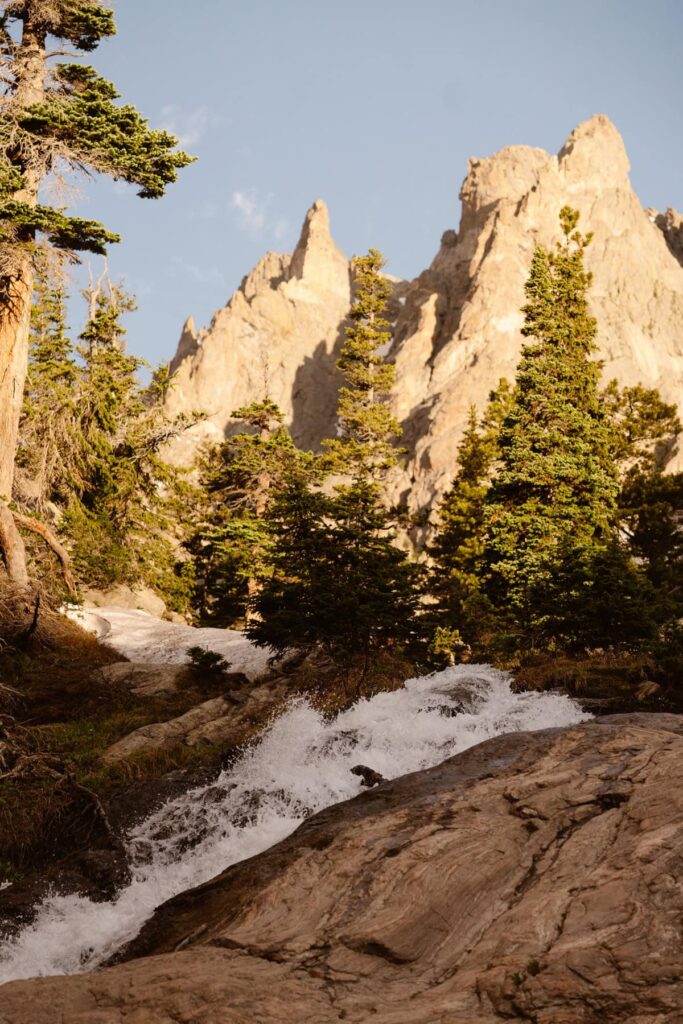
(279,336)
(671,223)
(534,877)
(459,330)
(457,325)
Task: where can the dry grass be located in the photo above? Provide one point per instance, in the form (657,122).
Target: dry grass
(614,677)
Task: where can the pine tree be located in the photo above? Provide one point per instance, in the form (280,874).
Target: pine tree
(338,581)
(644,428)
(462,611)
(123,508)
(231,541)
(652,519)
(55,117)
(367,427)
(555,496)
(48,438)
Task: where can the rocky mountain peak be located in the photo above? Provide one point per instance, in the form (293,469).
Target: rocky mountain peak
(595,151)
(458,324)
(187,345)
(316,259)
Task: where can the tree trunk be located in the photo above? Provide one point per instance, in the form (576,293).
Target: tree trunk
(29,72)
(15,318)
(13,550)
(48,536)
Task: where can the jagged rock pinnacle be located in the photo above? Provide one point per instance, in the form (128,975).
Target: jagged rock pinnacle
(458,325)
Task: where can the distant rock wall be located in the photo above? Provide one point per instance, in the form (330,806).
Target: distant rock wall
(457,325)
(459,330)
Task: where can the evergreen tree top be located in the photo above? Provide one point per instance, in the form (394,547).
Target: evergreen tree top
(367,424)
(83,23)
(67,117)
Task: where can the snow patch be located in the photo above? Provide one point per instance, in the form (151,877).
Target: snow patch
(145,639)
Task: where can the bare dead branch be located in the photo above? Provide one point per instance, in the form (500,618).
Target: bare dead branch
(48,536)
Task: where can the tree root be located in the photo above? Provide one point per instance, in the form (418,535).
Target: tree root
(48,536)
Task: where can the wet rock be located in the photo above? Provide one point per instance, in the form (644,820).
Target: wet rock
(534,877)
(369,777)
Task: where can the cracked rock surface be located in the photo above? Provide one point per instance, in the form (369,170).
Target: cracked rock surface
(535,877)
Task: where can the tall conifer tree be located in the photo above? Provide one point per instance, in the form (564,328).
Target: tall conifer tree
(557,487)
(55,116)
(239,479)
(338,581)
(457,576)
(48,438)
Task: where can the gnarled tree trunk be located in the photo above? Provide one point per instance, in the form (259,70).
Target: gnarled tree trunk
(29,72)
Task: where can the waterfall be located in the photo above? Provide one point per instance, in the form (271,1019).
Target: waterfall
(299,765)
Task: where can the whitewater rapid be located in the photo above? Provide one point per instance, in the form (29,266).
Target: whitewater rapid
(300,765)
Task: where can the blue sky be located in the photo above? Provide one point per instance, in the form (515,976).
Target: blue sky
(374,106)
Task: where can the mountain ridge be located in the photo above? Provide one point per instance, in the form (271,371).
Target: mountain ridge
(457,325)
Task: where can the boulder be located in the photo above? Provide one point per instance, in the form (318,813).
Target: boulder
(533,877)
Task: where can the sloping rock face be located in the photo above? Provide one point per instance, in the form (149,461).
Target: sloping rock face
(278,337)
(534,877)
(457,326)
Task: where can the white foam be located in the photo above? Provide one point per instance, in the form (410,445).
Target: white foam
(300,765)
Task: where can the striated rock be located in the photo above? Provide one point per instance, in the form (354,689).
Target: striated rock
(457,325)
(279,336)
(146,680)
(533,877)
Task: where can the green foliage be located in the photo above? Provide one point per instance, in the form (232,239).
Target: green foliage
(457,576)
(89,442)
(644,428)
(83,23)
(560,529)
(48,430)
(66,117)
(81,120)
(337,581)
(367,425)
(230,539)
(596,597)
(21,220)
(210,662)
(557,481)
(651,510)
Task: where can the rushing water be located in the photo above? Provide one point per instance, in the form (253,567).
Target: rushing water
(300,765)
